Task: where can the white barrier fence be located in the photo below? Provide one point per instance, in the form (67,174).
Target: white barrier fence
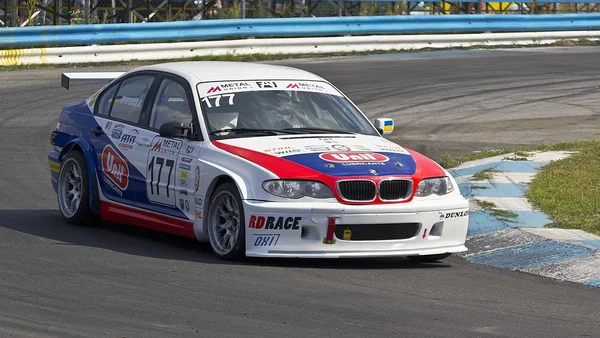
(167,51)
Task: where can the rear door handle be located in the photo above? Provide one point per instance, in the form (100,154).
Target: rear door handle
(97,131)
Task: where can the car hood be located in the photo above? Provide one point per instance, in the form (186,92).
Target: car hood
(334,155)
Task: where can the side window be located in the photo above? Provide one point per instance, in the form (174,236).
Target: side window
(106,100)
(171,104)
(130,98)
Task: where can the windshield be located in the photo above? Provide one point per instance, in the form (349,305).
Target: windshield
(255,108)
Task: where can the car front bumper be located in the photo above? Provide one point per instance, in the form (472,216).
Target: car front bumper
(305,230)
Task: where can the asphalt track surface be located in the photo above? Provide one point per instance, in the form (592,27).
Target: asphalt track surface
(120,281)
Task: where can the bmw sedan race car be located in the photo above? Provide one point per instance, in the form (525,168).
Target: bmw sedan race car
(257,160)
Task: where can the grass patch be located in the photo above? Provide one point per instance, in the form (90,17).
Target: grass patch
(484,175)
(448,162)
(569,191)
(504,213)
(522,153)
(515,158)
(518,156)
(485,204)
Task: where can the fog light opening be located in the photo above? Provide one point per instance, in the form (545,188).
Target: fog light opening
(436,229)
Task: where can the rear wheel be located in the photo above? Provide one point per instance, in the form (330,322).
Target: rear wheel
(429,258)
(226,223)
(73,190)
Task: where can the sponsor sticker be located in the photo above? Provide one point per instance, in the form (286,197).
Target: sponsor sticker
(183,174)
(274,223)
(198,201)
(266,84)
(186,159)
(327,140)
(167,146)
(282,150)
(448,215)
(391,148)
(115,167)
(308,86)
(229,86)
(129,101)
(317,147)
(117,131)
(266,240)
(355,157)
(238,86)
(128,139)
(197,178)
(184,166)
(340,147)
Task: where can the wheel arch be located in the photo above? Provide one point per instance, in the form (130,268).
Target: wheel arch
(89,154)
(212,187)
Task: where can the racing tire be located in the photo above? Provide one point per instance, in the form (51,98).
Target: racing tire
(73,190)
(429,258)
(225,218)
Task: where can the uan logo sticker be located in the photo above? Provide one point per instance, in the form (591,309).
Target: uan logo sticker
(115,167)
(354,157)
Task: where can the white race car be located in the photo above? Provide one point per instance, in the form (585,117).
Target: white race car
(258,160)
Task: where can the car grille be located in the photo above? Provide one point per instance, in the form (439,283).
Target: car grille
(365,191)
(357,190)
(376,232)
(392,190)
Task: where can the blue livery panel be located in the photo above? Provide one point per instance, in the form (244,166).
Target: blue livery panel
(119,179)
(357,163)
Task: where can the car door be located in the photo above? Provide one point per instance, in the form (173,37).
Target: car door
(170,162)
(120,148)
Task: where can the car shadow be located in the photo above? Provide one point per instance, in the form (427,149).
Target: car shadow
(134,240)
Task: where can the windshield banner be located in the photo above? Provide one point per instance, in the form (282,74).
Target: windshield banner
(215,88)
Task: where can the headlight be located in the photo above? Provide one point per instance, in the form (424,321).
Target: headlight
(297,189)
(435,186)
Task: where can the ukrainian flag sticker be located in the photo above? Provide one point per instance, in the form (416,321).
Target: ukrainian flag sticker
(388,125)
(384,125)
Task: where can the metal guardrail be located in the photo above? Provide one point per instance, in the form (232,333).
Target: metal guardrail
(318,46)
(324,26)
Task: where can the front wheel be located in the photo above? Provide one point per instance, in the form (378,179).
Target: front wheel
(226,223)
(429,258)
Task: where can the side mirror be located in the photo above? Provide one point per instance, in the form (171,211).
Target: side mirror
(384,126)
(174,129)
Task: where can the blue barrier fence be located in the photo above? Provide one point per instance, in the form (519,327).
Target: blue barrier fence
(194,30)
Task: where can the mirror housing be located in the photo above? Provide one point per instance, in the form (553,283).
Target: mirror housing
(174,129)
(384,126)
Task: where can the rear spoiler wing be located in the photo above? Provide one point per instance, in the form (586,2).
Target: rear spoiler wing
(66,78)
